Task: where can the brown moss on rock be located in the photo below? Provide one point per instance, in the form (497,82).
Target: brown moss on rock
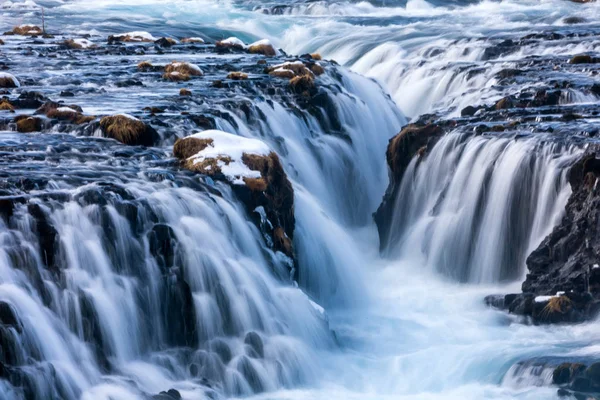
(272,190)
(69,115)
(27,124)
(128,130)
(265,49)
(185,92)
(413,140)
(6,106)
(317,69)
(282,73)
(583,59)
(1,42)
(184,148)
(316,56)
(7,82)
(183,68)
(27,30)
(192,40)
(145,66)
(73,44)
(237,76)
(127,37)
(176,76)
(302,84)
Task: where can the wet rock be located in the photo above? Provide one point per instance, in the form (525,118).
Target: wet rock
(140,37)
(237,76)
(303,84)
(185,92)
(165,42)
(263,47)
(468,111)
(231,43)
(192,40)
(5,105)
(8,80)
(30,100)
(574,20)
(26,30)
(26,124)
(272,190)
(504,103)
(128,130)
(79,44)
(583,59)
(401,150)
(170,394)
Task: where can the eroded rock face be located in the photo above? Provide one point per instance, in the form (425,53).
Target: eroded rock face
(266,193)
(413,140)
(565,267)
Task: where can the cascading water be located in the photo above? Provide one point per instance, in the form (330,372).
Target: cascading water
(122,276)
(476,207)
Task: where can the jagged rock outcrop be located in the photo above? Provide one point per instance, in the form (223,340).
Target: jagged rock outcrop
(264,188)
(413,139)
(563,280)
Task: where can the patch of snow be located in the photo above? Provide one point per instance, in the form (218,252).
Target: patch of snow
(543,299)
(234,42)
(232,146)
(10,76)
(140,35)
(128,116)
(192,66)
(84,43)
(596,266)
(265,42)
(66,109)
(195,40)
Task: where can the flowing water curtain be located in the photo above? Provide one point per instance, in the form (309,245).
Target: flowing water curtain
(475,207)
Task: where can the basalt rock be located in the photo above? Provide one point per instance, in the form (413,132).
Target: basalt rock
(269,196)
(564,268)
(414,140)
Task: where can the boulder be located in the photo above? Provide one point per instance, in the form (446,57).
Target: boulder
(263,47)
(27,30)
(27,124)
(255,174)
(8,80)
(128,130)
(583,59)
(237,76)
(139,37)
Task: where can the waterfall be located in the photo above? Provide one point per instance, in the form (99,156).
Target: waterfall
(476,206)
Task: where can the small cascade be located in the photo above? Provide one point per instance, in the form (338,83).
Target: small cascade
(475,207)
(141,278)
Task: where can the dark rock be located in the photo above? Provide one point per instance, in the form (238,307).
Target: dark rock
(468,111)
(413,140)
(170,394)
(255,342)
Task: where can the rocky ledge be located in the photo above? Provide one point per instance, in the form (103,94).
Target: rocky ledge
(255,174)
(563,280)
